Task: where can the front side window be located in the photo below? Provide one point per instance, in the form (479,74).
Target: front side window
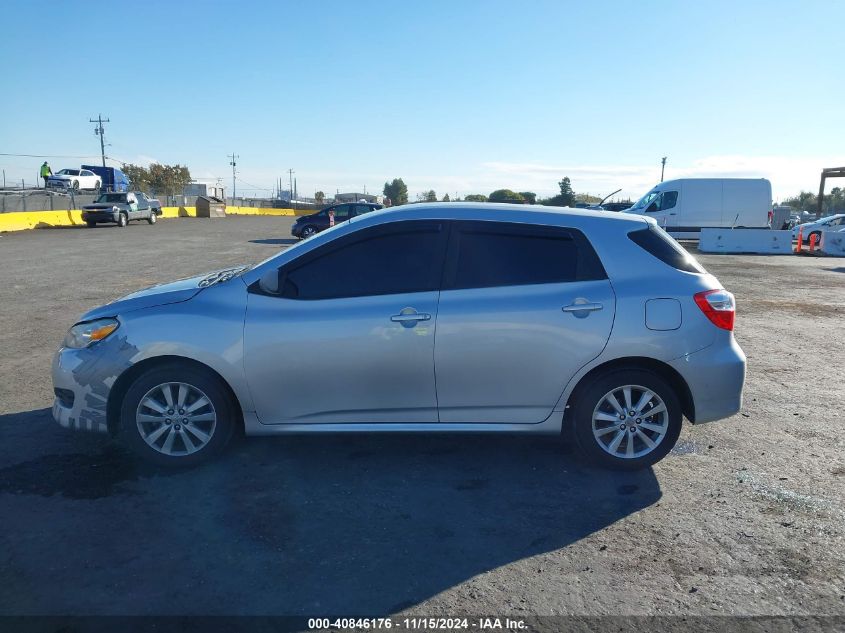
(668,200)
(402,258)
(341,213)
(511,255)
(86,173)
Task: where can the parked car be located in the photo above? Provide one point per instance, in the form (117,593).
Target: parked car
(75,179)
(308,225)
(830,223)
(120,208)
(153,203)
(111,177)
(588,323)
(684,206)
(616,206)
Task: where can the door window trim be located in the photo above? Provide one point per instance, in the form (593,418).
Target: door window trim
(363,235)
(588,264)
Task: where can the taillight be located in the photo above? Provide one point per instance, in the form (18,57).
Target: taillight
(718,306)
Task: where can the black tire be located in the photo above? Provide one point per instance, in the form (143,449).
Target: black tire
(90,224)
(122,220)
(818,237)
(75,186)
(152,219)
(588,397)
(308,231)
(211,385)
(97,187)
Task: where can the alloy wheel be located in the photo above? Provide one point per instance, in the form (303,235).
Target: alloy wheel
(630,421)
(176,419)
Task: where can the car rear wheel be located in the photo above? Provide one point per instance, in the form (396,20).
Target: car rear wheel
(627,419)
(152,218)
(122,220)
(308,231)
(177,415)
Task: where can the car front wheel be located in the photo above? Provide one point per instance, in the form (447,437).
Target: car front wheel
(627,419)
(122,220)
(308,231)
(177,415)
(152,218)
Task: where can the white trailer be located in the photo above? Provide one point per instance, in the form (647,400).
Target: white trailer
(684,206)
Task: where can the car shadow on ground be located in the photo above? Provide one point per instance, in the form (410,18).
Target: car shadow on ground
(363,524)
(275,240)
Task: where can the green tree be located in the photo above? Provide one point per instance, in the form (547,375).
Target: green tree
(446,198)
(475,197)
(506,195)
(169,179)
(567,196)
(430,196)
(530,196)
(397,191)
(138,176)
(319,197)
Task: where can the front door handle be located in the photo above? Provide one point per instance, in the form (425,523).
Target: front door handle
(409,317)
(582,307)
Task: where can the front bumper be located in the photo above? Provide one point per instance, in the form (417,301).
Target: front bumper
(100,216)
(77,406)
(83,379)
(715,376)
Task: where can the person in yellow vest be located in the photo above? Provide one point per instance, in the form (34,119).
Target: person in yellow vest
(46,172)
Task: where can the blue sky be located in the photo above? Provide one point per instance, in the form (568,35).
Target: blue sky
(463,96)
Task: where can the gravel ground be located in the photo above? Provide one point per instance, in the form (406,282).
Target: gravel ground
(744,517)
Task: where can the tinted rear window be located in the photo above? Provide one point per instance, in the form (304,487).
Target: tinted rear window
(502,254)
(660,244)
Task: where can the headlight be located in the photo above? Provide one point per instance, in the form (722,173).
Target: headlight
(83,334)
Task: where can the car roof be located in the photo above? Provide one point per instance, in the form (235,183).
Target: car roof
(504,212)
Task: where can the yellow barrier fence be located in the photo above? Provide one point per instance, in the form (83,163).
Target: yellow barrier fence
(23,220)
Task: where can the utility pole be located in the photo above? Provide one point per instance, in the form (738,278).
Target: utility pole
(233,163)
(662,167)
(291,172)
(101,132)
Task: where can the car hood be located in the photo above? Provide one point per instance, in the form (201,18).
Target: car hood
(101,205)
(163,294)
(61,177)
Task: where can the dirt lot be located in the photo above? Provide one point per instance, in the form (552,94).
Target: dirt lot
(747,516)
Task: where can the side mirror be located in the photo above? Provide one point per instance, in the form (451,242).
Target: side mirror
(269,282)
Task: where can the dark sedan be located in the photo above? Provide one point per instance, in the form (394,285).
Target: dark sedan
(308,225)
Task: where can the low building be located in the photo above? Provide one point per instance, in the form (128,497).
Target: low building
(214,190)
(357,197)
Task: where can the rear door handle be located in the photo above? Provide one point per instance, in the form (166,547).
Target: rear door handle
(582,307)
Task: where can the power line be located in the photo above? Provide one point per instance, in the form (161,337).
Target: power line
(101,132)
(253,186)
(47,155)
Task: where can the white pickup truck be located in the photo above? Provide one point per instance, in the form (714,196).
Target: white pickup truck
(121,208)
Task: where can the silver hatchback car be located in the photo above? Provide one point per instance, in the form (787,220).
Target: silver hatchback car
(422,318)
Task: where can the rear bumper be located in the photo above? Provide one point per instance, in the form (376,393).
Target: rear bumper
(715,376)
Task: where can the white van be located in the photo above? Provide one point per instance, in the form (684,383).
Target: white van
(683,207)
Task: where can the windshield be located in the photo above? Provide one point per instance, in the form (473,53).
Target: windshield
(68,172)
(643,202)
(112,197)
